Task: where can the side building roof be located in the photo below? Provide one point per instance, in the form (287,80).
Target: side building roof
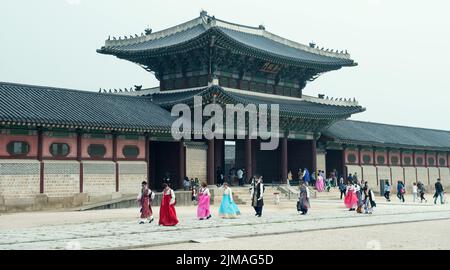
(56,107)
(384,135)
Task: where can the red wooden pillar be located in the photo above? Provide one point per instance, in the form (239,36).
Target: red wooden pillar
(210,162)
(182,163)
(147,157)
(344,168)
(284,159)
(40,158)
(219,149)
(115,161)
(255,147)
(248,156)
(79,140)
(314,157)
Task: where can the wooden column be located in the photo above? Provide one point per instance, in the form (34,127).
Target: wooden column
(284,159)
(147,157)
(115,160)
(314,156)
(79,149)
(40,158)
(182,163)
(255,148)
(219,150)
(343,169)
(210,162)
(248,156)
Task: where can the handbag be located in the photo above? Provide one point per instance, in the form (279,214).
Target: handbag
(299,205)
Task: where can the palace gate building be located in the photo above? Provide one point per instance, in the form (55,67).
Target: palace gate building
(61,147)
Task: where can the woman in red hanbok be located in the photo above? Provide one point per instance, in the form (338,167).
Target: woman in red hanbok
(144,198)
(167,213)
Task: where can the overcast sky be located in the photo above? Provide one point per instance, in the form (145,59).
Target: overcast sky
(402,47)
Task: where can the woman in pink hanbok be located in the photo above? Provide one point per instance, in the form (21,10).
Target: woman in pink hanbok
(351,200)
(320,184)
(204,196)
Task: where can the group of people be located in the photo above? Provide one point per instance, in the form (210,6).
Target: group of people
(233,174)
(418,191)
(360,197)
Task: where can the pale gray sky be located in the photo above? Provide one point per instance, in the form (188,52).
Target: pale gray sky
(402,46)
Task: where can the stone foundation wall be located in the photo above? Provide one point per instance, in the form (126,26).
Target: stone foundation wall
(131,175)
(99,177)
(445,177)
(433,175)
(397,174)
(19,179)
(196,161)
(61,178)
(370,175)
(321,163)
(410,178)
(422,175)
(383,173)
(354,168)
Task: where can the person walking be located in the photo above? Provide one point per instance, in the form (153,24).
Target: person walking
(369,199)
(219,176)
(228,208)
(145,196)
(439,191)
(342,187)
(204,198)
(401,191)
(186,183)
(421,189)
(303,200)
(240,176)
(351,200)
(289,178)
(167,213)
(387,191)
(257,196)
(415,190)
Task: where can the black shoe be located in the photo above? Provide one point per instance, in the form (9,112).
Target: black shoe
(142,222)
(201,218)
(208,217)
(151,220)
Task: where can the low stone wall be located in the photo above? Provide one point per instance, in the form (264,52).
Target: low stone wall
(370,175)
(99,177)
(445,177)
(131,175)
(19,180)
(61,178)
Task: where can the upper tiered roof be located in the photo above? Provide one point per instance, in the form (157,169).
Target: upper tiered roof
(255,41)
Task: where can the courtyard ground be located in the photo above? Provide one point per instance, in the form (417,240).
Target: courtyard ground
(329,225)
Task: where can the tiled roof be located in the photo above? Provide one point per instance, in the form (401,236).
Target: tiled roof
(288,105)
(253,38)
(47,106)
(367,133)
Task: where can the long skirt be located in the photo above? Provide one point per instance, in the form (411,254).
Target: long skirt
(203,210)
(146,210)
(320,185)
(167,213)
(351,201)
(228,209)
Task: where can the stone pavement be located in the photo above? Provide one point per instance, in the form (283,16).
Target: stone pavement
(127,233)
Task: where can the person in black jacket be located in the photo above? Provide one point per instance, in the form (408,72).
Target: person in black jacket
(439,191)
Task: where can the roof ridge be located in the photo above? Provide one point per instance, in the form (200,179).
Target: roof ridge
(156,35)
(44,87)
(397,125)
(261,31)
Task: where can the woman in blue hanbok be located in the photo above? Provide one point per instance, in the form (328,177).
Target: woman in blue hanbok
(228,208)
